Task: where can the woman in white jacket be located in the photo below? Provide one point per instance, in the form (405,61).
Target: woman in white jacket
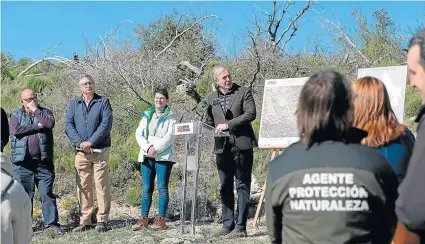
(157,156)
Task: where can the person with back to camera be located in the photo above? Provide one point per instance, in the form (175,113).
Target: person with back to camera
(373,113)
(157,156)
(16,207)
(328,188)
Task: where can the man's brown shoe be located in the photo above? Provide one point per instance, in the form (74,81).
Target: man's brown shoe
(159,223)
(142,222)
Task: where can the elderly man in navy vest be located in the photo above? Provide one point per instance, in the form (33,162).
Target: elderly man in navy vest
(32,153)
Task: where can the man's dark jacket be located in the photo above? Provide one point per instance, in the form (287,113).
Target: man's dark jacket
(4,129)
(92,123)
(410,206)
(334,192)
(239,115)
(19,144)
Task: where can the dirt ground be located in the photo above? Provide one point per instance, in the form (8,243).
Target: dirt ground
(120,231)
(123,233)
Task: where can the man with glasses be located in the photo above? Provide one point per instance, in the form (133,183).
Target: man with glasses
(32,153)
(232,108)
(88,127)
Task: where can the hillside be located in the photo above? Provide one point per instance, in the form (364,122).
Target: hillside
(174,53)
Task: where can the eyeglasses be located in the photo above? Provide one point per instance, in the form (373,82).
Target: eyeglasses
(88,83)
(28,100)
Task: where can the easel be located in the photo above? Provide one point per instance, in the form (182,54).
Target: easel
(276,152)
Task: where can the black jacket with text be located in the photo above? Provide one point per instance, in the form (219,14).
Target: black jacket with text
(334,192)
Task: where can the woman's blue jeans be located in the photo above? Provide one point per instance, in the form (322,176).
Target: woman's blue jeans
(150,169)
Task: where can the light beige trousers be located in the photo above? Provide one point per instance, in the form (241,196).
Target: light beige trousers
(93,166)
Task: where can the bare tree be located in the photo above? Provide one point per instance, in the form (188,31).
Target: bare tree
(276,33)
(269,39)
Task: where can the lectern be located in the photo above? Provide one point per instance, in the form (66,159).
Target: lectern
(197,129)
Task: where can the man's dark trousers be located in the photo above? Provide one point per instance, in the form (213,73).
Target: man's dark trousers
(230,165)
(34,172)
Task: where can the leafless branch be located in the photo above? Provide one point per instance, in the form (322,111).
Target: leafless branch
(31,75)
(178,23)
(257,58)
(105,48)
(184,31)
(50,50)
(274,22)
(262,10)
(294,30)
(293,22)
(206,61)
(131,86)
(87,45)
(257,26)
(272,32)
(59,59)
(346,37)
(110,34)
(279,20)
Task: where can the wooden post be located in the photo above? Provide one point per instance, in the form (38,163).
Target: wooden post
(275,153)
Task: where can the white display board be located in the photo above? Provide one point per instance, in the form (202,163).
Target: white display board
(394,78)
(278,126)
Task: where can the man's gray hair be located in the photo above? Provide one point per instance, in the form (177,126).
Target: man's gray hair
(419,39)
(217,69)
(88,77)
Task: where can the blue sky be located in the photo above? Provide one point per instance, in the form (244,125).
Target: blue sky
(28,28)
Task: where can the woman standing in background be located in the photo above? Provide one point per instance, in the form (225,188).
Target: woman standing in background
(157,156)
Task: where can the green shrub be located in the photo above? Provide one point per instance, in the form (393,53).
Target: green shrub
(256,126)
(37,83)
(204,83)
(261,162)
(142,106)
(72,208)
(114,159)
(64,160)
(412,104)
(133,195)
